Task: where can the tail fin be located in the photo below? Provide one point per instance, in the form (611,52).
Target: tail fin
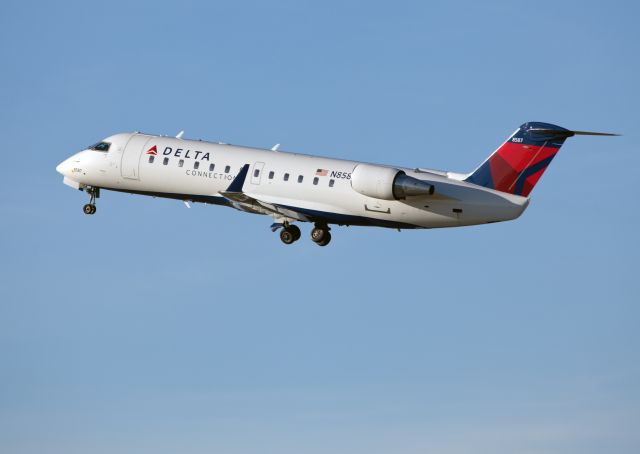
(519,163)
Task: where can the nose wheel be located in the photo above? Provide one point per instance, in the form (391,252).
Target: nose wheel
(89,208)
(94,193)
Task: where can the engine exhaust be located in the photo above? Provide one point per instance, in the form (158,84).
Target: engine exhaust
(405,186)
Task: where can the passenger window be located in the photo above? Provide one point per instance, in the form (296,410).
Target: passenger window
(315,180)
(226,169)
(196,164)
(181,163)
(256,173)
(211,167)
(331,183)
(151,159)
(300,178)
(165,161)
(271,174)
(286,177)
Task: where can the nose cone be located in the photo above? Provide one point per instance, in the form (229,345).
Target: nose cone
(63,167)
(66,166)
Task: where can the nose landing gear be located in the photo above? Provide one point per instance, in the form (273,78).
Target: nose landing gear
(94,193)
(89,208)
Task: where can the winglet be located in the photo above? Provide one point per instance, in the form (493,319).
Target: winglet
(238,182)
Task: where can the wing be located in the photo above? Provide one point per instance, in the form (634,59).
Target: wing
(245,202)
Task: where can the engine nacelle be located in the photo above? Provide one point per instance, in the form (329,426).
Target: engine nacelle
(387,183)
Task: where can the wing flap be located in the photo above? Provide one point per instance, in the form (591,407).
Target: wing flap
(245,202)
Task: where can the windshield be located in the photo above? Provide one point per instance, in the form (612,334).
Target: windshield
(100,146)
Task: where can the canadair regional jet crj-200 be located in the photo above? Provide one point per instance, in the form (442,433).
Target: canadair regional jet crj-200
(294,187)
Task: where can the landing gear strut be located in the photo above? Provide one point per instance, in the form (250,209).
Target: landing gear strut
(289,233)
(320,235)
(94,193)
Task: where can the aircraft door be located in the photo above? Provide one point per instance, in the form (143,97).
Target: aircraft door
(256,173)
(130,163)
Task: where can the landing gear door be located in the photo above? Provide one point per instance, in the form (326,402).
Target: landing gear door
(130,164)
(256,172)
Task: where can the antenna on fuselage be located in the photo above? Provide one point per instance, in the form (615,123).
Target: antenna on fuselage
(275,147)
(179,135)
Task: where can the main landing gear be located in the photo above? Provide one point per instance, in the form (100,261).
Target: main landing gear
(290,233)
(94,193)
(320,235)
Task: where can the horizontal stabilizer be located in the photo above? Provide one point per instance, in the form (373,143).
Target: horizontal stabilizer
(566,133)
(588,133)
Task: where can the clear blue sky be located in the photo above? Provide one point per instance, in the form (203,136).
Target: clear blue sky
(150,328)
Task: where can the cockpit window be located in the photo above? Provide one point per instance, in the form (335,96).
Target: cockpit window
(100,146)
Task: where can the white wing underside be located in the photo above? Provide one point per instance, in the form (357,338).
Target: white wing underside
(247,202)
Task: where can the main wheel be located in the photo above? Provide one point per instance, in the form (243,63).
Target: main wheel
(326,240)
(287,236)
(296,232)
(318,234)
(89,208)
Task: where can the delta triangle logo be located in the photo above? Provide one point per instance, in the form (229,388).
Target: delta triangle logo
(153,150)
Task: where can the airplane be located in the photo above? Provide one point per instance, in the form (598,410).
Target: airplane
(292,187)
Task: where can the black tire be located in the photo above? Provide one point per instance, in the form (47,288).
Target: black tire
(287,236)
(326,240)
(89,209)
(296,232)
(318,234)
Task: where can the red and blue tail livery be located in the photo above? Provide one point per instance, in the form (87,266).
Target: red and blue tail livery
(291,187)
(519,163)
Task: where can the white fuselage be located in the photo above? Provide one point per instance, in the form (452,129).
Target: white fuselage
(317,188)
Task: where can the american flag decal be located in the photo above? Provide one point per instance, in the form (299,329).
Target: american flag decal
(322,172)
